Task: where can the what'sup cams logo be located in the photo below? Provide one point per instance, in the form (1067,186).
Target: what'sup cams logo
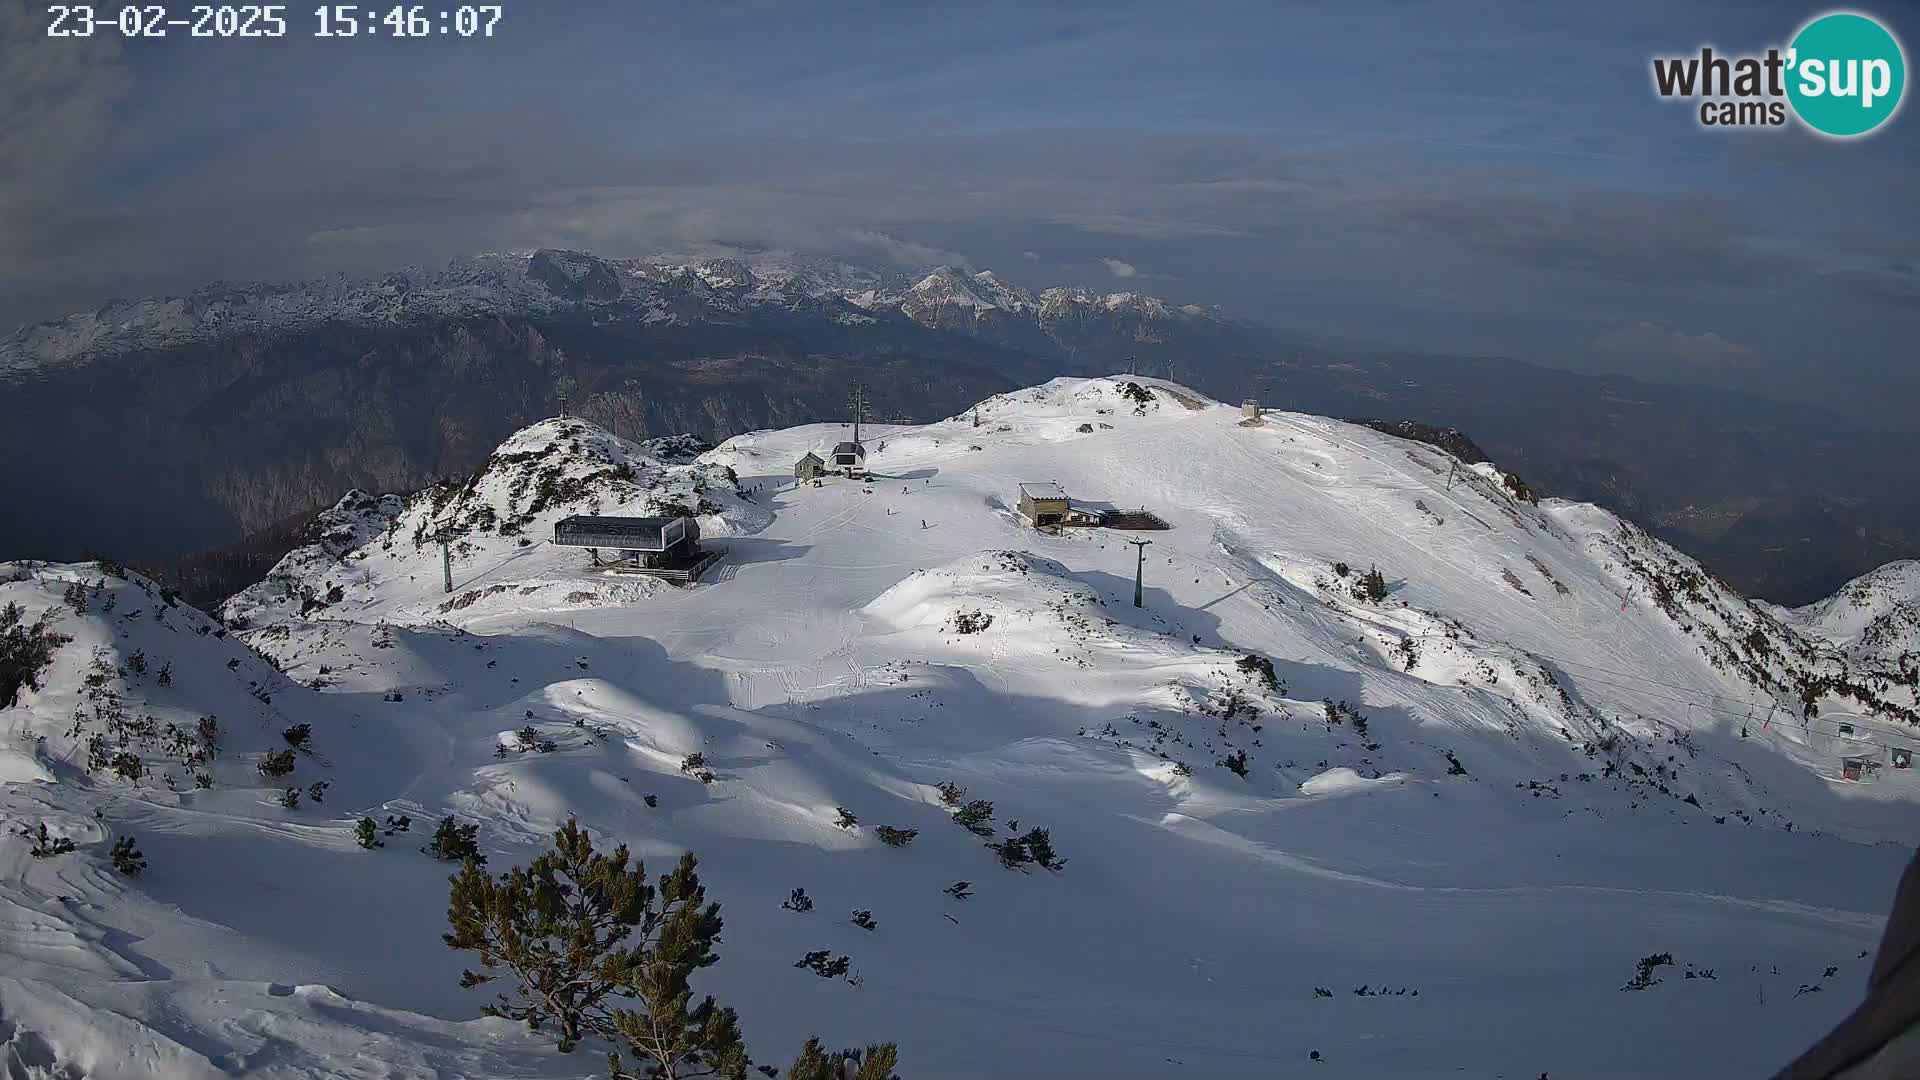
(1843,75)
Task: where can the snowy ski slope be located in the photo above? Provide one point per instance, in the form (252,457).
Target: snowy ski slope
(1555,747)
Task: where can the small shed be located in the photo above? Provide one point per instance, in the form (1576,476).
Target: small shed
(1902,757)
(1856,768)
(1250,409)
(1045,505)
(850,456)
(809,467)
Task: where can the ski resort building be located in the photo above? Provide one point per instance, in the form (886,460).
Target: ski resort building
(666,547)
(1044,505)
(1047,506)
(852,457)
(809,467)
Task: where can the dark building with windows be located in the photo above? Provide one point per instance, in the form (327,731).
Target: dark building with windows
(850,456)
(660,543)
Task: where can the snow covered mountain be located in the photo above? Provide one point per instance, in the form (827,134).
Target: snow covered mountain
(1315,822)
(654,291)
(1875,617)
(253,406)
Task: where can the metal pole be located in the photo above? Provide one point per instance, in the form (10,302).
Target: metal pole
(1139,564)
(446,562)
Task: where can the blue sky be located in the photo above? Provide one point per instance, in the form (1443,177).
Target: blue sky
(1468,177)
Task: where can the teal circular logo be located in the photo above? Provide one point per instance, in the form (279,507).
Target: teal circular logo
(1846,74)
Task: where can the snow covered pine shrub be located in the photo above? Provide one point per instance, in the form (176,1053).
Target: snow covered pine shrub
(25,651)
(44,846)
(596,951)
(1372,586)
(127,858)
(453,841)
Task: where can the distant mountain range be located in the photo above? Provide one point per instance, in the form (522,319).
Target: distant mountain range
(226,412)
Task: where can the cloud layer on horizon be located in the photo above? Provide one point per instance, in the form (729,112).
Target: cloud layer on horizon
(1492,180)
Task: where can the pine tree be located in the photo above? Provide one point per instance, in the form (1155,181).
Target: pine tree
(44,845)
(670,1036)
(454,841)
(365,833)
(563,927)
(25,651)
(1373,586)
(598,952)
(976,817)
(127,857)
(815,1063)
(1039,845)
(1013,852)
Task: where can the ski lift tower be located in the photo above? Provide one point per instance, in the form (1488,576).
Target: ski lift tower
(444,537)
(1139,567)
(857,407)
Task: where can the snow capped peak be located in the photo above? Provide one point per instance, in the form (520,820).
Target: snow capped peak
(542,473)
(1876,614)
(1007,297)
(948,285)
(725,273)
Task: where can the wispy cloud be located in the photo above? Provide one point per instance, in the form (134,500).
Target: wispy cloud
(906,253)
(1119,268)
